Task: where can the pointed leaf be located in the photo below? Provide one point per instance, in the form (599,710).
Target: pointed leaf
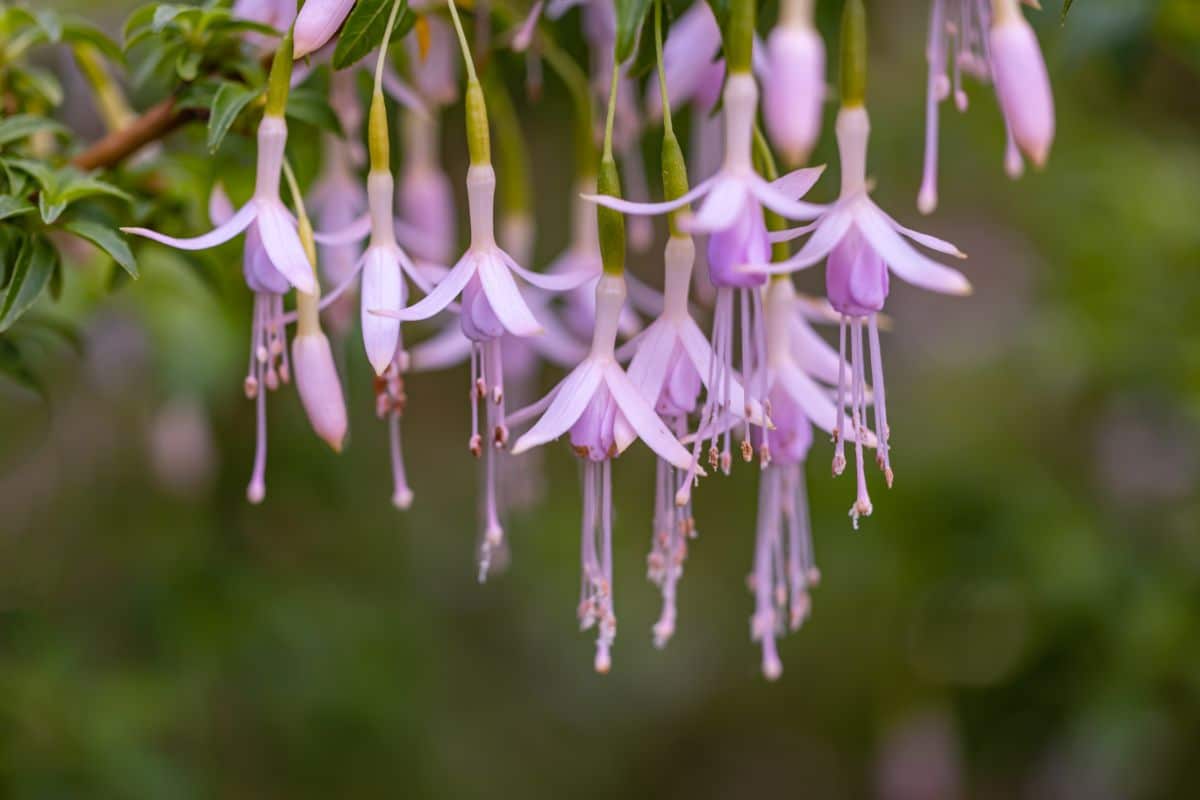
(35,263)
(364,30)
(107,239)
(21,126)
(13,207)
(630,16)
(228,102)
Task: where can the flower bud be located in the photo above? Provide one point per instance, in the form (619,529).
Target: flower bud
(478,320)
(856,279)
(319,386)
(1022,86)
(592,436)
(794,91)
(317,22)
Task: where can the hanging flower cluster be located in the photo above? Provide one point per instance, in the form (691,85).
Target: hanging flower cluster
(639,365)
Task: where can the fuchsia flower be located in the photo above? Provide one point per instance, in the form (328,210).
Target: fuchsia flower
(1000,48)
(435,70)
(671,360)
(603,412)
(492,306)
(794,87)
(731,213)
(317,22)
(319,386)
(863,244)
(273,221)
(689,58)
(425,196)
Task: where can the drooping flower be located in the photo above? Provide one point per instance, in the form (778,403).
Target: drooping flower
(603,413)
(271,219)
(990,42)
(731,213)
(862,244)
(794,88)
(424,194)
(268,366)
(671,361)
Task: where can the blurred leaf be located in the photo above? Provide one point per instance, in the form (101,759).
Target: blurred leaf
(630,16)
(35,263)
(42,83)
(230,100)
(13,367)
(13,207)
(187,65)
(107,239)
(22,126)
(167,13)
(306,105)
(78,32)
(61,187)
(364,30)
(1066,8)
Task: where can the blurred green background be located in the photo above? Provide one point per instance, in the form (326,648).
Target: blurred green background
(1019,618)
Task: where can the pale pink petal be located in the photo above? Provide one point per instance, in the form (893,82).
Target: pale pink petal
(571,398)
(797,183)
(630,207)
(720,208)
(355,231)
(447,348)
(781,204)
(812,353)
(829,231)
(223,233)
(560,282)
(648,369)
(903,259)
(443,294)
(924,239)
(283,247)
(557,345)
(381,289)
(505,298)
(645,422)
(220,207)
(816,402)
(419,275)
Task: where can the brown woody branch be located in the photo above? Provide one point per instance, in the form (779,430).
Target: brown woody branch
(157,121)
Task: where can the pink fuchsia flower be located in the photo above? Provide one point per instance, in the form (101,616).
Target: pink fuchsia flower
(728,195)
(1021,81)
(794,87)
(671,361)
(862,245)
(603,413)
(962,36)
(316,24)
(273,222)
(492,306)
(268,366)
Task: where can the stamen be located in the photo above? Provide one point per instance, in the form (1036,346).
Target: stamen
(839,449)
(882,452)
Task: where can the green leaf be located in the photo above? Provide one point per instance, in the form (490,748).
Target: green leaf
(13,207)
(306,105)
(107,239)
(187,66)
(229,101)
(51,24)
(42,82)
(138,22)
(364,30)
(630,15)
(77,32)
(1066,8)
(22,126)
(36,262)
(13,366)
(167,13)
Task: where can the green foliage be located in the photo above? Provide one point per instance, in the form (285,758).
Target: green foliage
(230,100)
(365,28)
(630,16)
